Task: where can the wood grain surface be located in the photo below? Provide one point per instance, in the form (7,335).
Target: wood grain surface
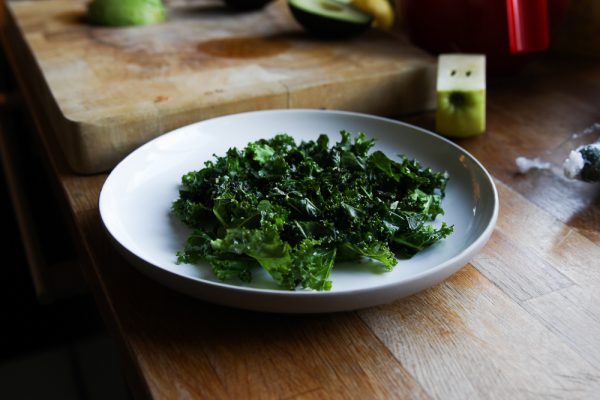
(108,90)
(520,321)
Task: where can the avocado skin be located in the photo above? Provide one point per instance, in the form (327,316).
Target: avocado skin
(327,28)
(246,5)
(126,12)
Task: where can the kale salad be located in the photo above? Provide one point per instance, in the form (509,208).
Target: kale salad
(297,209)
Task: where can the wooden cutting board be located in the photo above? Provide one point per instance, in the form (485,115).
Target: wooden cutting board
(108,90)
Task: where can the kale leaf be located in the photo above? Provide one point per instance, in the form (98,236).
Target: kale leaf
(296,209)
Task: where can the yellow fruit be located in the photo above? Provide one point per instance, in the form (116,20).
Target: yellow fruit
(381,10)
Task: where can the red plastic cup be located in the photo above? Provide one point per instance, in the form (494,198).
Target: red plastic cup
(528,25)
(508,32)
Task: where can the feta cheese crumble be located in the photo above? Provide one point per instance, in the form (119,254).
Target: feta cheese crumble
(573,164)
(525,164)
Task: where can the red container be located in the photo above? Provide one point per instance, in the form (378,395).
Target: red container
(506,31)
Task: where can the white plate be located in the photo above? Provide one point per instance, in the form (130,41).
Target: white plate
(136,199)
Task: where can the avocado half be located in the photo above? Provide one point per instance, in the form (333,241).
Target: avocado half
(329,18)
(246,5)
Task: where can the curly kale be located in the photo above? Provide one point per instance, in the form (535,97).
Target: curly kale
(591,163)
(296,209)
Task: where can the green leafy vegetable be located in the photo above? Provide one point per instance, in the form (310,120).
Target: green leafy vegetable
(591,163)
(296,209)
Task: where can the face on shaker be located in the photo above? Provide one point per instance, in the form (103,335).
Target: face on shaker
(461,95)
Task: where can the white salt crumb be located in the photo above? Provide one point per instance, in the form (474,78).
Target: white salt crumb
(573,164)
(525,164)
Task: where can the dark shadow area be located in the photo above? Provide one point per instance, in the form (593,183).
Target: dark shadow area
(29,326)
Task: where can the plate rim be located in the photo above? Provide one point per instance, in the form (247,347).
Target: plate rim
(465,254)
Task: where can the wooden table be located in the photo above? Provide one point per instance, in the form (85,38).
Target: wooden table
(521,320)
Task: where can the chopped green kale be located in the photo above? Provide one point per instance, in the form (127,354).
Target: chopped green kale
(591,163)
(296,209)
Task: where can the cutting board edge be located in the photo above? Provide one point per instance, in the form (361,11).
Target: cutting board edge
(93,147)
(92,139)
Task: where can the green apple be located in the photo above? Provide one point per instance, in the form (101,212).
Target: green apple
(126,12)
(460,95)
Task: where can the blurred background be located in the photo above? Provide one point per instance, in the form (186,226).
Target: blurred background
(59,350)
